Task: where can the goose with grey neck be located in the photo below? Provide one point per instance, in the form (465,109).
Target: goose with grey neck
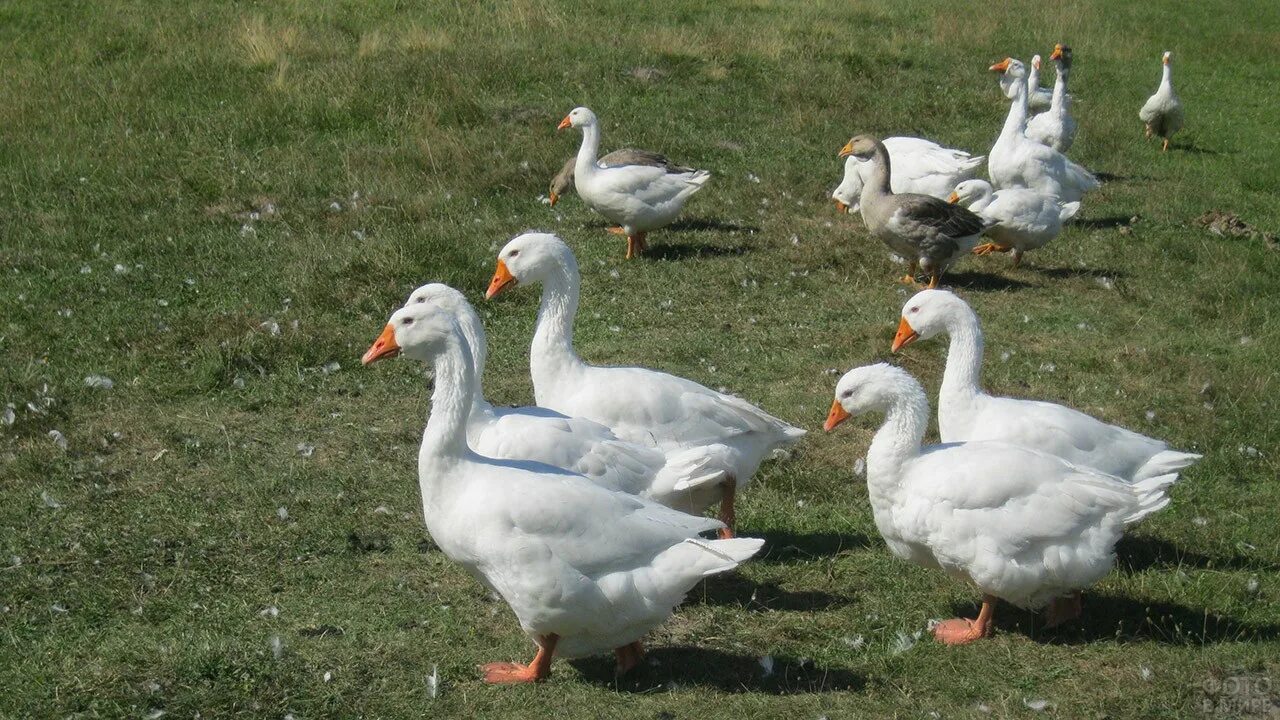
(919,166)
(585,569)
(575,444)
(641,405)
(1018,524)
(967,413)
(928,232)
(639,198)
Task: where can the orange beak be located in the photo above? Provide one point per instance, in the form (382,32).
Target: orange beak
(904,337)
(1001,66)
(847,150)
(555,198)
(837,415)
(384,347)
(502,279)
(1057,52)
(841,207)
(1164,60)
(566,122)
(953,198)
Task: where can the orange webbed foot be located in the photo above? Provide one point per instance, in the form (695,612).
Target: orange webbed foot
(958,631)
(509,673)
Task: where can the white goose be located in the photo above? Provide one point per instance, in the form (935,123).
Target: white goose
(1055,127)
(639,198)
(919,166)
(641,405)
(1038,99)
(1020,525)
(576,444)
(1018,161)
(1162,113)
(585,569)
(1019,219)
(966,413)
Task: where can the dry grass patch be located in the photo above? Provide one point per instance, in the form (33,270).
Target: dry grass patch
(263,45)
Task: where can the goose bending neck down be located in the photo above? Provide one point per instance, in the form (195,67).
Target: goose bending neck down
(584,569)
(1021,525)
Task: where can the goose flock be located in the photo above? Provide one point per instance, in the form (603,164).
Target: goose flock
(585,511)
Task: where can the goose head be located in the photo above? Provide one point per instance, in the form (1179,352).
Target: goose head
(1167,58)
(1012,75)
(1061,56)
(578,117)
(563,180)
(970,191)
(417,331)
(849,190)
(869,388)
(926,314)
(862,147)
(529,258)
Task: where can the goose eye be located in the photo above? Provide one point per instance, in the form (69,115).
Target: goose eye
(513,253)
(846,394)
(915,309)
(407,321)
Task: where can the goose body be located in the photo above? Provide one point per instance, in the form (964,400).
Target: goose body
(966,413)
(573,443)
(928,232)
(639,198)
(1018,219)
(584,569)
(1162,113)
(1019,524)
(644,406)
(1018,161)
(919,166)
(563,180)
(1055,127)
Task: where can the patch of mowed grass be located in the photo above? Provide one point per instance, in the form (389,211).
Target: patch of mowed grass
(302,166)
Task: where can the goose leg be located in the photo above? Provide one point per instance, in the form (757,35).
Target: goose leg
(631,247)
(642,242)
(960,631)
(913,266)
(1063,609)
(504,673)
(726,508)
(1148,131)
(1165,148)
(933,280)
(628,656)
(1017,257)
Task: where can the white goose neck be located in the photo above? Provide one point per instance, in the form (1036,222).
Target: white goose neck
(444,442)
(964,358)
(552,354)
(588,151)
(473,332)
(1166,78)
(985,198)
(1016,122)
(896,442)
(1060,89)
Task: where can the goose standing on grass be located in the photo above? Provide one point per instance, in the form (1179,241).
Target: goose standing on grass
(919,166)
(1018,161)
(928,232)
(1038,99)
(639,198)
(585,569)
(1162,112)
(641,405)
(575,444)
(1020,525)
(966,413)
(1055,127)
(1018,219)
(563,181)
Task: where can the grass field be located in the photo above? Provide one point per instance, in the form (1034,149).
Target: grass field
(217,205)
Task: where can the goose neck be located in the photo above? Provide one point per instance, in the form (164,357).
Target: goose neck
(1016,121)
(1166,77)
(896,442)
(964,359)
(1060,87)
(552,352)
(877,177)
(444,442)
(587,152)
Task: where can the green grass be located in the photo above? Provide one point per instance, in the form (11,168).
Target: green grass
(142,135)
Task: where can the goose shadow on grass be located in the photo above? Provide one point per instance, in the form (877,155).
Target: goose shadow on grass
(1073,272)
(670,249)
(1137,553)
(1102,223)
(970,280)
(736,590)
(1114,617)
(666,669)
